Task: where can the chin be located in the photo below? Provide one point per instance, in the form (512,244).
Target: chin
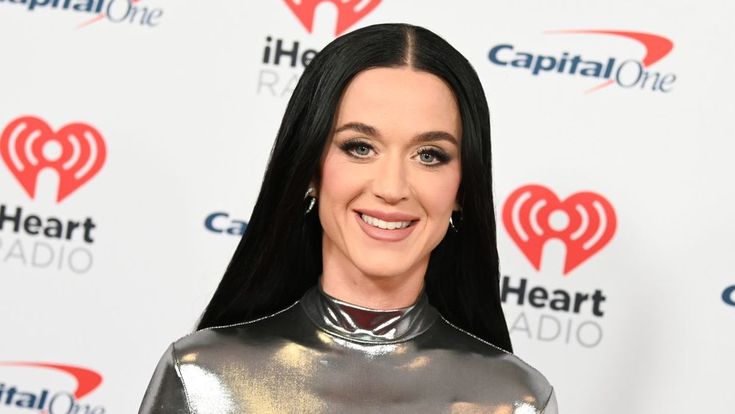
(385,267)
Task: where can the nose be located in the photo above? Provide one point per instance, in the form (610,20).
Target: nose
(390,182)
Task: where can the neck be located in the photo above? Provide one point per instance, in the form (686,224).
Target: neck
(348,284)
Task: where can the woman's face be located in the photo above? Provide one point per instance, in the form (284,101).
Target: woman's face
(390,173)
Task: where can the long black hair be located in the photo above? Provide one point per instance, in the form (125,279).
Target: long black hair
(280,255)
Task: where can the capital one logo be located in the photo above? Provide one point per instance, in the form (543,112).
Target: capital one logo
(626,73)
(349,12)
(728,295)
(49,401)
(585,222)
(76,152)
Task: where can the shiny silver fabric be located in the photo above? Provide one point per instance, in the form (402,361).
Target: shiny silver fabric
(323,355)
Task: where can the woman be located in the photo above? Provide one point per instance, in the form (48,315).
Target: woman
(378,290)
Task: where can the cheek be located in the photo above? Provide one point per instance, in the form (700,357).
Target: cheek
(340,183)
(439,192)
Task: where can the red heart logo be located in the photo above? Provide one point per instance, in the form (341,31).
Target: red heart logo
(349,12)
(590,223)
(76,152)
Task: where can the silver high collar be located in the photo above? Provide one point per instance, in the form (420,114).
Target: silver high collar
(366,325)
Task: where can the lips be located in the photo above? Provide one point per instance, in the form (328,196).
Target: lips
(388,216)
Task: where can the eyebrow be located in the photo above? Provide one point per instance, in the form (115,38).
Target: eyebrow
(422,137)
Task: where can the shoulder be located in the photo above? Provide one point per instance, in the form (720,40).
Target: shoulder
(497,368)
(199,368)
(215,344)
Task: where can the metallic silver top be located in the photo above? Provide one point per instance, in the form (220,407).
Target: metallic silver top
(365,325)
(324,355)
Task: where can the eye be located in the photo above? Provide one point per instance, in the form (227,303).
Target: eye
(433,156)
(356,148)
(361,149)
(427,157)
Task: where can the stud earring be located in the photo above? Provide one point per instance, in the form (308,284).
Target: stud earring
(311,202)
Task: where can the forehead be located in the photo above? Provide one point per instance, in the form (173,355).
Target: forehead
(400,100)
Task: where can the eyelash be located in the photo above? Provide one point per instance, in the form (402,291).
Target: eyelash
(439,155)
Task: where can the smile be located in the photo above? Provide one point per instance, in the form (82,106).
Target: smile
(383,230)
(387,225)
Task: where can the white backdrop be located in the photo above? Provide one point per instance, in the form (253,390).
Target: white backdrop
(185,110)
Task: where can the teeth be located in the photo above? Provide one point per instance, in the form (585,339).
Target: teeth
(387,225)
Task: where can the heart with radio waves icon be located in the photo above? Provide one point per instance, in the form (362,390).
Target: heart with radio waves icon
(76,152)
(590,223)
(349,12)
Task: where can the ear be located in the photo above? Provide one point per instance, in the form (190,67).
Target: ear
(316,189)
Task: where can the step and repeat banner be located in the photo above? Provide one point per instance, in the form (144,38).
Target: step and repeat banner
(134,136)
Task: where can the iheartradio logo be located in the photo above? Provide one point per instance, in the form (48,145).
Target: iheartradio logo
(585,222)
(76,152)
(349,12)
